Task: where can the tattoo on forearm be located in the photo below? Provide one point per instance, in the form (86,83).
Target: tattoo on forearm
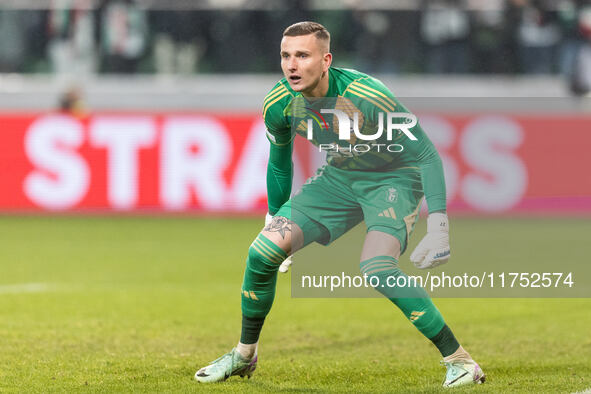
(280,225)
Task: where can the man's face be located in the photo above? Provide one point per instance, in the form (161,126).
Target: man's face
(304,59)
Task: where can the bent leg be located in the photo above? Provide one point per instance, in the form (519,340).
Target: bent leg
(275,242)
(260,276)
(284,233)
(265,254)
(380,260)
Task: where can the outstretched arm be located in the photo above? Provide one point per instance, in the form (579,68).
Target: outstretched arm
(433,181)
(433,250)
(279,180)
(279,176)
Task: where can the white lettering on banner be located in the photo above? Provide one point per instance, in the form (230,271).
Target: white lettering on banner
(61,177)
(183,170)
(249,181)
(443,136)
(123,137)
(194,153)
(487,146)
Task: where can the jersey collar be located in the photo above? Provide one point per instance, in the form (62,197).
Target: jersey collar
(332,91)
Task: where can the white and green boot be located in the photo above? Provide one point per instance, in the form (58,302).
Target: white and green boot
(229,364)
(463,372)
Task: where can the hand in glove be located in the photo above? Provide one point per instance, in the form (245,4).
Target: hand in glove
(433,250)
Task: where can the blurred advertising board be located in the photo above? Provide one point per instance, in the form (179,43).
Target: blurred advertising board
(210,163)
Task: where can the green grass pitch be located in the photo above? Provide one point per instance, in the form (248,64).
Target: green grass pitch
(137,304)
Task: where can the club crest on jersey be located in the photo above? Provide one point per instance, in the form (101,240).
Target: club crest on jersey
(392,195)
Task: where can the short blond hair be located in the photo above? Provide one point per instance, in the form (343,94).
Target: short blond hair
(307,27)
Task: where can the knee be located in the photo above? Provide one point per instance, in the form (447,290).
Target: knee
(264,255)
(253,254)
(378,264)
(381,269)
(283,233)
(383,272)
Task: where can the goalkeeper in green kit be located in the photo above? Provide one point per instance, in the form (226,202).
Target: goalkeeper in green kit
(380,165)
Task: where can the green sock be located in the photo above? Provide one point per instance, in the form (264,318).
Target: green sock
(445,341)
(412,299)
(251,329)
(258,287)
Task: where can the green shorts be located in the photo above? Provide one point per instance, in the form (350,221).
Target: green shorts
(338,200)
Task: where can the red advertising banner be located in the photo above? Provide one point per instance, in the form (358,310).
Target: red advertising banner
(138,162)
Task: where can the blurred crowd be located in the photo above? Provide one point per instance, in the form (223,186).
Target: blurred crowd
(439,36)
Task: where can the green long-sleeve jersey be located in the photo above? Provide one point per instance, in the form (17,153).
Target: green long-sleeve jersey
(351,125)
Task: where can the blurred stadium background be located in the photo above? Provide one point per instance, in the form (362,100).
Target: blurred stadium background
(119,116)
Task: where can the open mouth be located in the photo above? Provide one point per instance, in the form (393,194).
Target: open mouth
(295,78)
